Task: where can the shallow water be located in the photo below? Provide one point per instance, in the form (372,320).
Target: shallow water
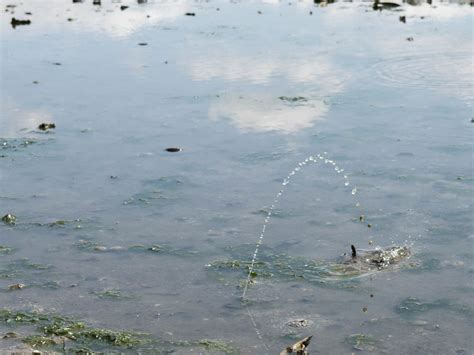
(247,96)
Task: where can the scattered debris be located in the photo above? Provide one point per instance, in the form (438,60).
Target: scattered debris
(9,219)
(298,323)
(293,98)
(189,14)
(173,150)
(16,22)
(299,347)
(46,126)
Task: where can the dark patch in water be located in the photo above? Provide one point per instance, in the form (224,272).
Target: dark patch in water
(16,22)
(173,150)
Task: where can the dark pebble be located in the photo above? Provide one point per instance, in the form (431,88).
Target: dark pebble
(173,150)
(46,126)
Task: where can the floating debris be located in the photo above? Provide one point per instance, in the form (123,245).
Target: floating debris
(299,347)
(46,126)
(18,286)
(298,323)
(384,5)
(173,150)
(15,22)
(293,98)
(9,219)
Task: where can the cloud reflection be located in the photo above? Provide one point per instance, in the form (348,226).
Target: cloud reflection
(266,113)
(107,18)
(318,78)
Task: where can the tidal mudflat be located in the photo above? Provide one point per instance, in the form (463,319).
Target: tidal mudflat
(148,147)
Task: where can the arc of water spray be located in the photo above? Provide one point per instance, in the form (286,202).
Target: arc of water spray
(286,181)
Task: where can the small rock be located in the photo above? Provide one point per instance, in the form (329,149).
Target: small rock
(143,44)
(96,2)
(46,126)
(173,149)
(364,309)
(403,19)
(410,39)
(123,7)
(9,219)
(70,19)
(16,287)
(35,82)
(189,14)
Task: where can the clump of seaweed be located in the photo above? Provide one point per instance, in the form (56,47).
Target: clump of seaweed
(54,331)
(52,326)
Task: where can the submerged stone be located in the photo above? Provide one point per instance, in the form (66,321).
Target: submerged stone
(362,342)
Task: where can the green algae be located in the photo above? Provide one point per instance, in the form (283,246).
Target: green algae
(52,326)
(112,294)
(52,331)
(412,306)
(284,267)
